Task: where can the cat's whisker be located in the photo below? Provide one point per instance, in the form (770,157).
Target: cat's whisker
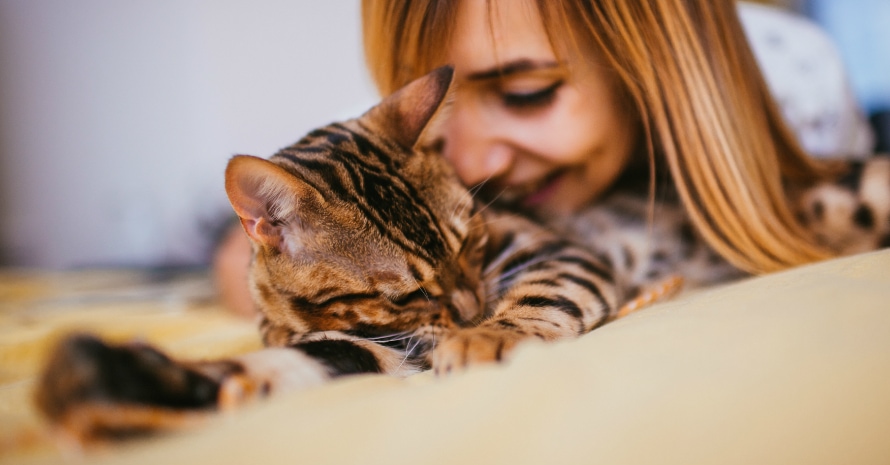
(400,336)
(408,349)
(507,276)
(411,349)
(471,194)
(398,333)
(388,341)
(422,290)
(478,187)
(520,269)
(490,203)
(494,267)
(402,363)
(488,223)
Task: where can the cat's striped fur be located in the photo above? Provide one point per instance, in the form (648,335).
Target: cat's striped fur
(388,242)
(370,257)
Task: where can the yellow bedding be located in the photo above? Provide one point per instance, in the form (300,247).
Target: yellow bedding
(789,368)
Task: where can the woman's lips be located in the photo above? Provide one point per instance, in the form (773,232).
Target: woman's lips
(527,195)
(544,191)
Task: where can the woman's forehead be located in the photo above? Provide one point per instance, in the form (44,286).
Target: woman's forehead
(497,34)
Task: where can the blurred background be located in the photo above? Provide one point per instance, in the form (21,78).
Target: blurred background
(117,117)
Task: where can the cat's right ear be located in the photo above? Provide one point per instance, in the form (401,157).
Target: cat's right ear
(265,196)
(404,115)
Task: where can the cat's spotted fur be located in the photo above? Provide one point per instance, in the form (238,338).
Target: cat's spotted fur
(370,257)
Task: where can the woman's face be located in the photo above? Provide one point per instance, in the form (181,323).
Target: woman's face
(537,133)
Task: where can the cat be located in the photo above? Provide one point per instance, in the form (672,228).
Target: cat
(370,256)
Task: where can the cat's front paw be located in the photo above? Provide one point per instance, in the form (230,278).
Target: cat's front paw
(473,346)
(269,371)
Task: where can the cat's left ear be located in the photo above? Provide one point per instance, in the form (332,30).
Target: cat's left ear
(405,114)
(265,197)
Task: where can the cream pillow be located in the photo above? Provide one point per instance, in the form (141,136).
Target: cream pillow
(790,368)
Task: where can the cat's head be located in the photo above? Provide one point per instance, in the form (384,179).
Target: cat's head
(356,229)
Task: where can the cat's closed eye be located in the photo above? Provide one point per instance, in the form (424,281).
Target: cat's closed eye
(411,297)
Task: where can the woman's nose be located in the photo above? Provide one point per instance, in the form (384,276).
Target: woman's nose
(474,150)
(479,160)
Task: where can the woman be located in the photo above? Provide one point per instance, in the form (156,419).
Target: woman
(554,100)
(553,97)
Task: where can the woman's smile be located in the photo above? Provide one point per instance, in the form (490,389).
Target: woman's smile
(529,194)
(542,191)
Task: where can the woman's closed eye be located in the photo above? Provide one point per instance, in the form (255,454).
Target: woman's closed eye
(531,100)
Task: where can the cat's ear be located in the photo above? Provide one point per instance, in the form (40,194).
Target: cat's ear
(265,196)
(405,114)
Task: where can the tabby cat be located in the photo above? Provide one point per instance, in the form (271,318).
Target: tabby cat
(369,256)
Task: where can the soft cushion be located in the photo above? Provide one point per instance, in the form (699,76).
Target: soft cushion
(788,368)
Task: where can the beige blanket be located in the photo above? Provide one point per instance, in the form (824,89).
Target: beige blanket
(789,368)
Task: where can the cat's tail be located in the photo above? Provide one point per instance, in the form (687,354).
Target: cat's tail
(661,290)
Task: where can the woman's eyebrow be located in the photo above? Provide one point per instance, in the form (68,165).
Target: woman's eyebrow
(513,67)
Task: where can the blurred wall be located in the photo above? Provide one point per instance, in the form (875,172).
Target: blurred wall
(861,29)
(117,117)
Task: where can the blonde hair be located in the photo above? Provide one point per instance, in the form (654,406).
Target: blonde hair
(703,103)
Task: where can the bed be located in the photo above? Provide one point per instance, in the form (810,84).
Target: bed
(788,368)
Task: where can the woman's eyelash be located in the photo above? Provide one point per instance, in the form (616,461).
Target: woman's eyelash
(534,99)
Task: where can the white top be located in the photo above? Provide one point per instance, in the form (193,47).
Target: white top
(807,78)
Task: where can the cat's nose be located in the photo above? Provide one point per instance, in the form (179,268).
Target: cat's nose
(467,304)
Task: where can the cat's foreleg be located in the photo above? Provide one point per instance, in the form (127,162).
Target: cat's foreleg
(91,389)
(308,360)
(559,291)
